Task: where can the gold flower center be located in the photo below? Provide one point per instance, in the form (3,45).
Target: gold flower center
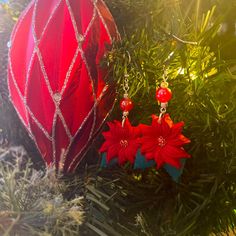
(161,141)
(124,143)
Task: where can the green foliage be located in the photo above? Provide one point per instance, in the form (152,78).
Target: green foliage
(151,203)
(32,202)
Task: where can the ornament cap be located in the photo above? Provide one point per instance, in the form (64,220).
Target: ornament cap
(126,95)
(164,84)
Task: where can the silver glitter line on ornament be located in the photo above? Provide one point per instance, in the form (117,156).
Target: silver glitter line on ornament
(77,52)
(40,126)
(28,74)
(34,51)
(34,139)
(53,138)
(69,71)
(80,39)
(28,130)
(91,22)
(56,99)
(104,23)
(19,115)
(49,19)
(8,84)
(64,123)
(89,73)
(12,40)
(26,106)
(85,62)
(90,137)
(91,140)
(92,133)
(94,95)
(99,128)
(117,32)
(77,35)
(84,121)
(95,111)
(46,79)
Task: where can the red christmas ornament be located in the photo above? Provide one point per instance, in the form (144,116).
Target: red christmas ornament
(121,142)
(55,81)
(163,95)
(126,104)
(163,142)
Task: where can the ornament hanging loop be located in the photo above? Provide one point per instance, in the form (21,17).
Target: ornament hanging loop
(163,94)
(165,76)
(126,103)
(126,85)
(124,117)
(162,111)
(126,96)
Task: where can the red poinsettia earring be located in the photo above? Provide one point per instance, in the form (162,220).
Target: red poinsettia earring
(162,141)
(121,141)
(159,144)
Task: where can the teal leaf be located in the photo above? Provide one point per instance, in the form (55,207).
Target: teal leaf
(104,163)
(174,172)
(141,162)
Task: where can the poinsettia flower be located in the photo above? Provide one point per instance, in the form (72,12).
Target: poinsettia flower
(163,141)
(121,142)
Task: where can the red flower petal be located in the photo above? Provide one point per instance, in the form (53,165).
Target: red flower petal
(148,144)
(178,141)
(163,141)
(168,120)
(159,158)
(175,152)
(175,163)
(121,142)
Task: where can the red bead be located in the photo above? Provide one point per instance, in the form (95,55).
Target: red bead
(126,104)
(163,95)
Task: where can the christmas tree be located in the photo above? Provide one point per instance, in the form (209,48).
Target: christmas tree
(195,41)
